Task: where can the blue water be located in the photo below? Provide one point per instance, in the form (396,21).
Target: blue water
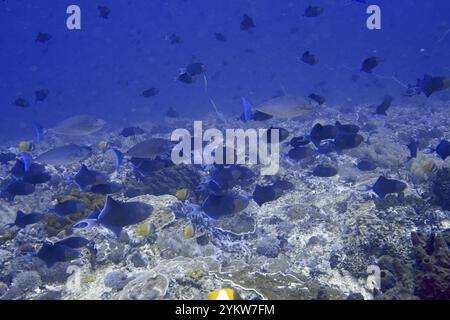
(103,68)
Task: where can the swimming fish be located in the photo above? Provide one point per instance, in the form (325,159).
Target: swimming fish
(131,131)
(327,147)
(36,174)
(220,37)
(319,99)
(149,149)
(74,242)
(186,77)
(321,132)
(174,39)
(370,63)
(313,11)
(64,155)
(195,68)
(428,85)
(150,92)
(283,134)
(300,141)
(347,140)
(85,177)
(104,11)
(107,188)
(43,37)
(365,165)
(249,114)
(21,102)
(349,128)
(81,125)
(52,253)
(300,153)
(41,95)
(310,58)
(384,106)
(442,149)
(324,171)
(24,219)
(384,186)
(268,193)
(15,188)
(413,148)
(116,215)
(247,23)
(68,207)
(218,206)
(286,106)
(172,113)
(188,231)
(7,157)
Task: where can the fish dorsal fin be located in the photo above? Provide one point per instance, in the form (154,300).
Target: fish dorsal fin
(20,214)
(110,206)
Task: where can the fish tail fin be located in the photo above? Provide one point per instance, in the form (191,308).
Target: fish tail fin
(38,131)
(248,112)
(118,157)
(26,158)
(86,224)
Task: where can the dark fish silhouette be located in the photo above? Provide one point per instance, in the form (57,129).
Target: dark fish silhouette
(384,186)
(150,92)
(218,206)
(300,141)
(52,253)
(365,165)
(320,132)
(43,37)
(104,11)
(74,242)
(116,215)
(428,85)
(107,188)
(175,39)
(15,188)
(247,23)
(319,99)
(313,11)
(24,219)
(42,94)
(384,106)
(7,157)
(263,194)
(327,147)
(324,171)
(21,102)
(68,207)
(186,78)
(370,63)
(131,131)
(220,37)
(347,140)
(85,177)
(442,149)
(413,148)
(195,68)
(145,167)
(300,153)
(349,128)
(310,58)
(172,113)
(36,174)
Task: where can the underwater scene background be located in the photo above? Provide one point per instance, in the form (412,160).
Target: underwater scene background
(93,207)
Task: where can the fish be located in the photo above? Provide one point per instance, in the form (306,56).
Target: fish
(118,157)
(15,188)
(370,63)
(349,128)
(52,253)
(182,194)
(321,132)
(149,149)
(313,11)
(283,134)
(249,114)
(64,155)
(195,68)
(365,165)
(220,37)
(287,106)
(68,207)
(74,242)
(107,188)
(85,177)
(116,215)
(347,140)
(442,149)
(327,147)
(384,186)
(188,231)
(21,102)
(36,174)
(172,113)
(26,146)
(174,39)
(247,23)
(186,77)
(43,37)
(300,153)
(319,99)
(41,95)
(151,92)
(429,84)
(147,166)
(310,58)
(104,11)
(384,106)
(268,193)
(300,141)
(25,219)
(77,126)
(413,148)
(219,206)
(131,131)
(324,171)
(224,178)
(7,157)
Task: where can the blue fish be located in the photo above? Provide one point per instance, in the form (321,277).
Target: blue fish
(85,177)
(268,193)
(300,141)
(365,165)
(384,186)
(413,148)
(442,149)
(74,242)
(7,157)
(118,157)
(324,171)
(116,215)
(13,188)
(106,188)
(217,207)
(248,113)
(68,207)
(36,174)
(23,219)
(300,153)
(52,253)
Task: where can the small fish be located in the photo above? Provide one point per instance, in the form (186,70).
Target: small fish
(313,11)
(384,186)
(428,85)
(172,113)
(52,253)
(283,134)
(175,39)
(74,242)
(64,155)
(384,106)
(182,194)
(220,37)
(21,102)
(103,145)
(349,128)
(7,157)
(365,165)
(68,207)
(370,63)
(104,11)
(151,92)
(322,132)
(195,68)
(149,149)
(77,126)
(310,58)
(36,174)
(41,95)
(413,148)
(26,146)
(247,23)
(186,78)
(263,194)
(188,231)
(319,99)
(131,132)
(25,219)
(107,188)
(218,206)
(347,140)
(116,215)
(300,153)
(300,141)
(324,171)
(17,188)
(43,37)
(442,149)
(85,177)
